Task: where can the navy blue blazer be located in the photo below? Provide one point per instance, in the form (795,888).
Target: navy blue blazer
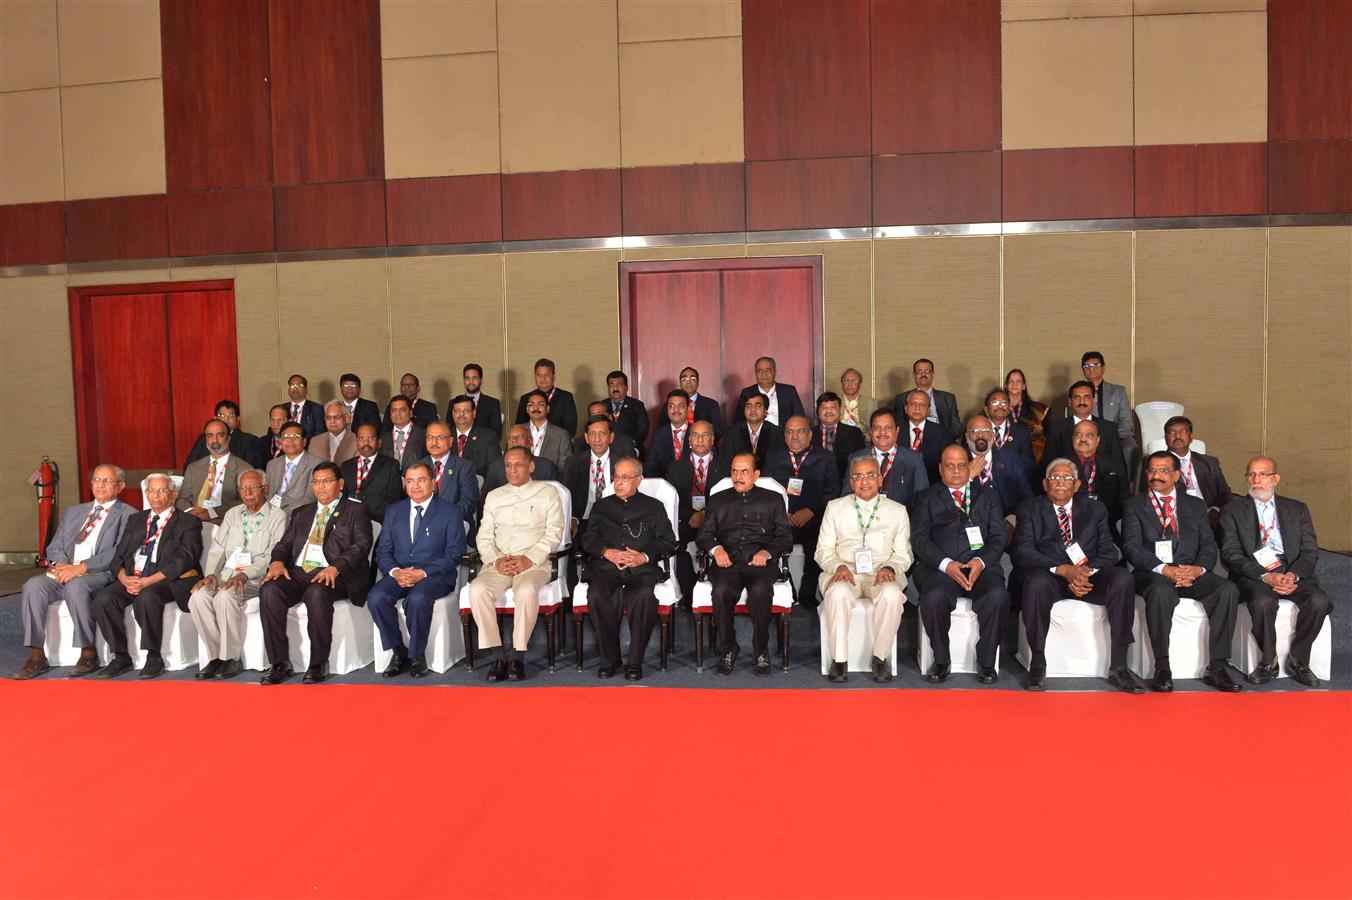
(939,529)
(821,478)
(437,549)
(906,479)
(1011,479)
(458,486)
(933,440)
(311,418)
(786,398)
(660,452)
(1194,543)
(1037,536)
(1020,442)
(707,409)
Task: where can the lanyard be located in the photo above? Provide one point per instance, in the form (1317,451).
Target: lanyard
(965,507)
(797,463)
(1169,522)
(249,527)
(864,526)
(1265,531)
(152,537)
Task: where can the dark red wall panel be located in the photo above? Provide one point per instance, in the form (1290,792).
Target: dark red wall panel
(331,216)
(1309,70)
(217,106)
(541,205)
(1201,180)
(805,78)
(808,193)
(684,199)
(1073,183)
(463,209)
(203,223)
(326,96)
(1313,177)
(936,188)
(117,228)
(32,234)
(936,75)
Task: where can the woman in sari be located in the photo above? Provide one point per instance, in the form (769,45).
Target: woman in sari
(1023,408)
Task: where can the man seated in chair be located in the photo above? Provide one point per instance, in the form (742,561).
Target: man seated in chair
(1062,547)
(745,531)
(420,547)
(627,535)
(157,564)
(323,556)
(521,526)
(208,487)
(236,561)
(811,479)
(1167,538)
(81,558)
(864,550)
(958,536)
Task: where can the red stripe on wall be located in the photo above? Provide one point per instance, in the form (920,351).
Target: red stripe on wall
(111,228)
(684,199)
(465,209)
(543,205)
(1073,183)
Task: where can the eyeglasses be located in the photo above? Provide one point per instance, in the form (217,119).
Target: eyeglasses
(689,378)
(1091,365)
(323,481)
(348,384)
(998,404)
(102,480)
(1061,479)
(627,478)
(1257,476)
(978,432)
(1159,470)
(292,437)
(159,490)
(341,417)
(863,476)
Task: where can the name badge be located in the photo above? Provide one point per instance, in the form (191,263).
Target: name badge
(974,537)
(210,504)
(51,573)
(1077,557)
(314,554)
(863,561)
(1164,552)
(139,563)
(353,497)
(1267,558)
(1194,492)
(698,502)
(795,487)
(276,500)
(239,559)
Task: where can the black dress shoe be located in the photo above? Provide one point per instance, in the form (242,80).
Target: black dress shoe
(88,664)
(1163,682)
(398,665)
(211,669)
(277,674)
(987,675)
(498,672)
(938,673)
(516,669)
(316,674)
(762,665)
(882,672)
(1262,674)
(726,661)
(153,668)
(1220,679)
(633,673)
(1122,679)
(1037,678)
(418,668)
(1301,673)
(838,673)
(231,668)
(607,671)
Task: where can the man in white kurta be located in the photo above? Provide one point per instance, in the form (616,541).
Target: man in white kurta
(521,526)
(864,550)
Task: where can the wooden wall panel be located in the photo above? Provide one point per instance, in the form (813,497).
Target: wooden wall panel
(1310,177)
(684,199)
(203,223)
(117,228)
(1074,183)
(203,359)
(32,234)
(808,193)
(327,101)
(805,78)
(936,75)
(1309,70)
(464,209)
(331,216)
(936,188)
(541,205)
(217,105)
(1201,180)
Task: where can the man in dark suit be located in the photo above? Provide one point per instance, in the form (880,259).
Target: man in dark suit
(587,475)
(781,400)
(958,536)
(487,410)
(745,532)
(693,476)
(423,412)
(1269,547)
(1062,548)
(671,442)
(360,411)
(420,548)
(268,446)
(622,444)
(992,468)
(628,535)
(702,408)
(1060,433)
(833,435)
(753,434)
(157,563)
(562,407)
(371,478)
(1202,475)
(926,437)
(902,469)
(452,477)
(943,407)
(1101,474)
(324,556)
(1168,541)
(477,446)
(299,408)
(1011,435)
(403,440)
(241,442)
(811,480)
(517,436)
(628,414)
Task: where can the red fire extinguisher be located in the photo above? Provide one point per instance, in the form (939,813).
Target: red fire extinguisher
(45,478)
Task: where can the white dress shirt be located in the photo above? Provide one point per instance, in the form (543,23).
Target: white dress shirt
(85,549)
(317,554)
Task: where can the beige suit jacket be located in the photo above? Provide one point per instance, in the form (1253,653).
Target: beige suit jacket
(521,521)
(889,536)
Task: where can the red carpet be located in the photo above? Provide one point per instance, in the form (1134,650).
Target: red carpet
(369,792)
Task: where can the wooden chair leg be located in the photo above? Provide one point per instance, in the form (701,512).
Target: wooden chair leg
(469,643)
(699,642)
(784,641)
(549,640)
(577,634)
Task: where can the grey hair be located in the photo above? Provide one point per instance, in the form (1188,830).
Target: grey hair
(239,479)
(1062,461)
(168,479)
(337,403)
(118,474)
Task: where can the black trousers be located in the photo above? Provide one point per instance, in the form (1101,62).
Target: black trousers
(609,594)
(939,597)
(759,583)
(1112,587)
(147,607)
(276,597)
(1218,596)
(806,536)
(685,565)
(1312,608)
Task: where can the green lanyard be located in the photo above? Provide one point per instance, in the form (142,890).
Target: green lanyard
(966,506)
(865,526)
(248,528)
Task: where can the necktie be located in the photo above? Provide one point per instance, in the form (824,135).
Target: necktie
(295,412)
(209,485)
(677,440)
(317,536)
(436,472)
(363,466)
(1168,504)
(1189,476)
(598,479)
(701,477)
(1000,436)
(1090,470)
(286,479)
(399,438)
(89,523)
(957,498)
(986,473)
(417,523)
(885,467)
(755,438)
(460,446)
(276,448)
(828,437)
(915,441)
(690,412)
(1063,519)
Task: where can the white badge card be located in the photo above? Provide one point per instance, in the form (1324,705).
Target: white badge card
(1267,558)
(863,561)
(698,502)
(1077,557)
(276,500)
(210,504)
(795,487)
(314,555)
(139,562)
(239,558)
(1164,552)
(974,537)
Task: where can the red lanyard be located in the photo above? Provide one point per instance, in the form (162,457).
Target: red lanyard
(152,537)
(797,463)
(1169,522)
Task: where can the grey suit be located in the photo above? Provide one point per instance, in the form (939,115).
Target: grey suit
(298,492)
(556,446)
(1111,404)
(196,475)
(39,592)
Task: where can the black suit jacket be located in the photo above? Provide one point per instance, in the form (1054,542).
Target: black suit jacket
(905,479)
(738,440)
(944,407)
(365,412)
(1110,484)
(745,524)
(481,448)
(263,450)
(382,486)
(459,487)
(1194,543)
(497,475)
(1019,441)
(487,413)
(620,445)
(849,440)
(681,475)
(179,553)
(242,444)
(939,528)
(562,410)
(577,478)
(1037,536)
(933,440)
(786,398)
(424,413)
(415,448)
(347,544)
(1240,539)
(639,523)
(632,419)
(821,479)
(661,453)
(1010,480)
(1059,445)
(1210,479)
(708,410)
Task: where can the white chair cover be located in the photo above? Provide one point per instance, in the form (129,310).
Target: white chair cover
(1188,641)
(60,633)
(1153,415)
(445,640)
(1244,649)
(861,639)
(1077,642)
(668,591)
(963,632)
(782,598)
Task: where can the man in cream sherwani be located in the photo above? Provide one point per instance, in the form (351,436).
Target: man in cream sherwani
(236,562)
(864,550)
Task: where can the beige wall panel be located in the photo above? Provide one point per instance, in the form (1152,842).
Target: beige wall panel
(108,40)
(1192,286)
(28,45)
(695,118)
(437,27)
(558,75)
(1321,479)
(713,251)
(113,139)
(447,311)
(1016,10)
(939,298)
(1173,7)
(1201,78)
(564,306)
(1065,294)
(335,318)
(1067,83)
(671,20)
(441,115)
(30,147)
(34,362)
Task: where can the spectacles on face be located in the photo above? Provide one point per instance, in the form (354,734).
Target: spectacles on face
(1092,365)
(323,481)
(341,417)
(227,416)
(863,476)
(999,404)
(626,478)
(1159,470)
(1061,479)
(978,432)
(102,480)
(292,437)
(1258,476)
(159,490)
